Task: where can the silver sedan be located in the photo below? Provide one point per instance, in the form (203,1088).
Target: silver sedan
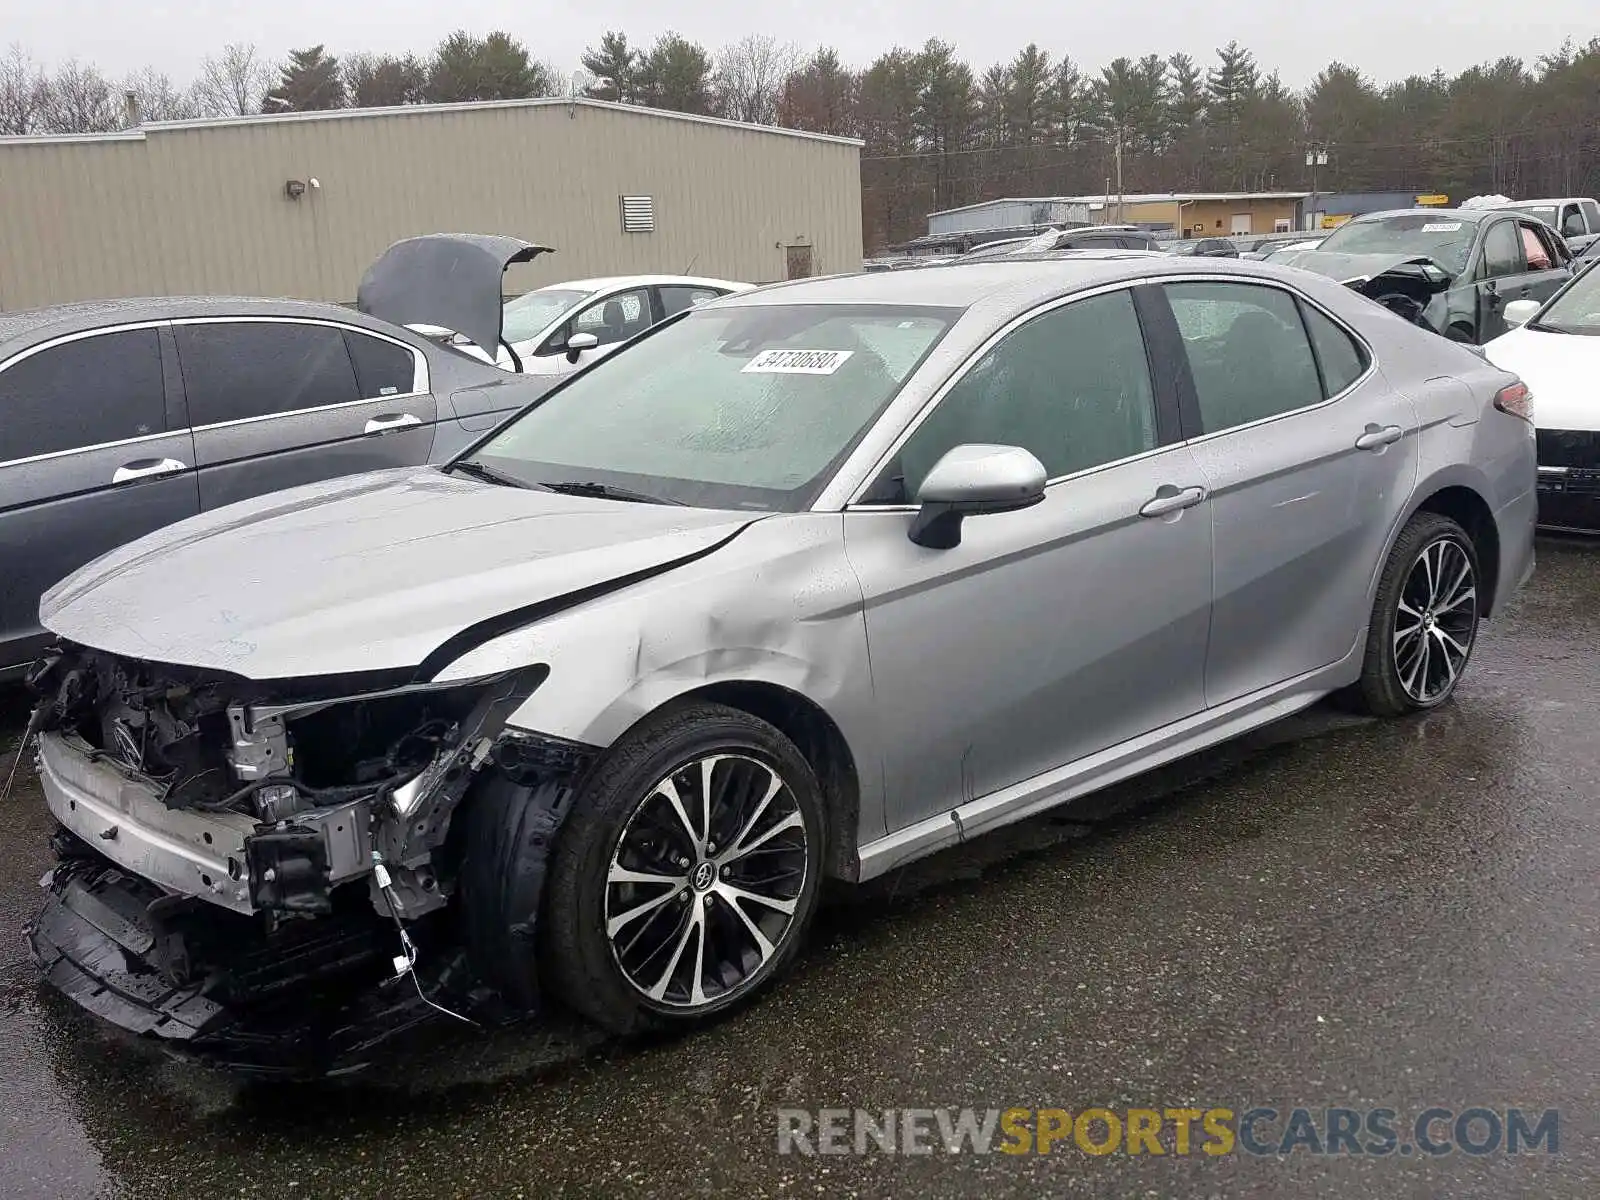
(808,583)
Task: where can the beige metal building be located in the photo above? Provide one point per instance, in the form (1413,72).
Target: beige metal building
(298,204)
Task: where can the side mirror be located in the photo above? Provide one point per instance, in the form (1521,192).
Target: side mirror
(1520,312)
(971,480)
(578,343)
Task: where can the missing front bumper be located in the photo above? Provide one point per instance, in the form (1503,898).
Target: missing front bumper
(310,999)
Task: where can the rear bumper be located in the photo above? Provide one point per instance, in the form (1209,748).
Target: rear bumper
(1516,523)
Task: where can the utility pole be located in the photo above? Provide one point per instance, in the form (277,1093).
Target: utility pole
(1120,205)
(1316,156)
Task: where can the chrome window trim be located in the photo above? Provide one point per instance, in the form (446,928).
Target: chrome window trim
(78,336)
(855,503)
(1372,357)
(421,383)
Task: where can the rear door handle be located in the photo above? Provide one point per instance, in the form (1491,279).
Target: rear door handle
(147,468)
(389,422)
(1169,499)
(1376,437)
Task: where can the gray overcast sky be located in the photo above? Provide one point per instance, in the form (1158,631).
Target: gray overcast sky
(1386,39)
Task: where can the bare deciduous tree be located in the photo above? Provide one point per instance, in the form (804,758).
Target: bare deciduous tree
(156,98)
(81,101)
(233,83)
(24,93)
(750,77)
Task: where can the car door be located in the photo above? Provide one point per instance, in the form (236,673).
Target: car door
(611,319)
(276,403)
(1053,632)
(1307,454)
(1499,267)
(90,457)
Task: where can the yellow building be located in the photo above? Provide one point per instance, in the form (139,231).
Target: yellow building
(1204,214)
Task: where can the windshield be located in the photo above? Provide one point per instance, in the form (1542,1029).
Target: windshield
(1577,310)
(745,407)
(1443,237)
(530,314)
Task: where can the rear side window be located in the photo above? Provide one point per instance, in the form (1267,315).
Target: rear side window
(1341,357)
(382,368)
(1248,352)
(1533,250)
(104,388)
(675,298)
(1591,212)
(235,370)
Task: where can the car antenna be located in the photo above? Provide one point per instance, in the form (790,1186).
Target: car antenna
(690,267)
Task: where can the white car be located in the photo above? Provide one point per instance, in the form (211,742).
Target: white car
(555,330)
(1556,349)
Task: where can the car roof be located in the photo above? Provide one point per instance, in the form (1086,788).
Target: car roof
(26,327)
(994,288)
(1445,214)
(606,283)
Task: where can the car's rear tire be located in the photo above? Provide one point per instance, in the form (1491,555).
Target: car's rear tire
(1424,619)
(687,872)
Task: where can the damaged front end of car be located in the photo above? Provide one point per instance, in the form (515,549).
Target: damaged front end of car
(263,875)
(1407,289)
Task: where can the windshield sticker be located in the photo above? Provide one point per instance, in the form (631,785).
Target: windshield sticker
(796,362)
(1442,227)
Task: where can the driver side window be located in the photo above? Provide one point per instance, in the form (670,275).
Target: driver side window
(614,319)
(1072,386)
(1502,251)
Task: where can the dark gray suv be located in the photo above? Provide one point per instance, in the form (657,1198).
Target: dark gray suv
(121,417)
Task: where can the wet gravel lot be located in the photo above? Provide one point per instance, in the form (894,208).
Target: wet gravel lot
(1338,913)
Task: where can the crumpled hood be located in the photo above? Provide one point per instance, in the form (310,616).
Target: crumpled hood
(1348,267)
(1560,370)
(365,573)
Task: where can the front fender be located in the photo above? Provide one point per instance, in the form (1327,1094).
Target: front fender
(778,605)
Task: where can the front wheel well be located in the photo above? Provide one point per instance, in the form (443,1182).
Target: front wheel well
(819,739)
(1470,511)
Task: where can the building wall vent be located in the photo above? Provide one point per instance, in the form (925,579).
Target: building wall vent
(638,214)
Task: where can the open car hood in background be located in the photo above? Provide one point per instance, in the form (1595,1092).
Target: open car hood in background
(450,280)
(1355,269)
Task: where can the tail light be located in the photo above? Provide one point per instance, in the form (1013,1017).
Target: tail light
(1516,400)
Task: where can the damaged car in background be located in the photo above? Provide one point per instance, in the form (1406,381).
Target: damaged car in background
(798,587)
(1451,271)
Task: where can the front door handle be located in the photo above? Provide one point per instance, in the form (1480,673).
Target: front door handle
(1377,437)
(389,422)
(147,468)
(1169,499)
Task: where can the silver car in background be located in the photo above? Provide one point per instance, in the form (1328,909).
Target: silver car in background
(811,582)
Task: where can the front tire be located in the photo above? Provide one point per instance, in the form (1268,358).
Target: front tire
(687,873)
(1424,619)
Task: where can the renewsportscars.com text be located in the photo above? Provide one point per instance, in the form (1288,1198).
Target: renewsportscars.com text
(1261,1130)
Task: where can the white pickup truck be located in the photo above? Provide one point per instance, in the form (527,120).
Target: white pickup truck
(1577,218)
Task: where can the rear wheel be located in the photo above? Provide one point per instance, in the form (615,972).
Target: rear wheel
(1424,619)
(687,872)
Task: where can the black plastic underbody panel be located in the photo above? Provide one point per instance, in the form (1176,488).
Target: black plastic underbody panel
(313,999)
